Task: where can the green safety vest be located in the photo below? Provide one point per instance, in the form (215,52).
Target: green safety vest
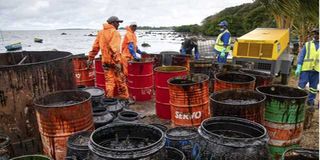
(219,43)
(311,59)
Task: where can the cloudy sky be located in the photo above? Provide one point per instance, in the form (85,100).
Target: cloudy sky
(55,14)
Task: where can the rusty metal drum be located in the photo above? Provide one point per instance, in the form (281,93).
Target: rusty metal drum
(24,76)
(233,80)
(61,114)
(189,99)
(238,103)
(83,74)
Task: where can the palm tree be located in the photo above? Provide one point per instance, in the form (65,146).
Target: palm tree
(298,15)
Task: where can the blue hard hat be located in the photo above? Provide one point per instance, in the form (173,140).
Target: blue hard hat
(223,23)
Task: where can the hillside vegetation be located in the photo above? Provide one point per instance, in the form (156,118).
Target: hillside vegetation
(241,19)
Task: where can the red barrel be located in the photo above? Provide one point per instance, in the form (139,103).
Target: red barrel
(140,79)
(189,99)
(181,60)
(100,81)
(233,80)
(59,115)
(83,74)
(162,74)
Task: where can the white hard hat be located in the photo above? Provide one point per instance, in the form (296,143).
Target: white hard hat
(133,24)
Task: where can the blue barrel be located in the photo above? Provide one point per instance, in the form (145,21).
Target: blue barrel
(186,139)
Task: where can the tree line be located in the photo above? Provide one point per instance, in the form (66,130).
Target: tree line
(300,16)
(241,19)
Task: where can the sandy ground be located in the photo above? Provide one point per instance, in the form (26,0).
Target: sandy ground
(310,137)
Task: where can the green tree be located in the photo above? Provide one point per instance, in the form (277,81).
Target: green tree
(298,15)
(241,19)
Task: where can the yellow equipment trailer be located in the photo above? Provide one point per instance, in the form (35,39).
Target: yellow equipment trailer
(265,49)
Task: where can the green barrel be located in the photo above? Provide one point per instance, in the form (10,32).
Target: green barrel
(31,157)
(284,116)
(277,152)
(284,104)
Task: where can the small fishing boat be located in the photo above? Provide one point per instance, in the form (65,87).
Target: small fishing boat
(38,40)
(14,46)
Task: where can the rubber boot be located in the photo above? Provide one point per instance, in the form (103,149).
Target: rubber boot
(308,118)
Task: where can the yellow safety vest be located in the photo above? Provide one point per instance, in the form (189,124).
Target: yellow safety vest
(311,59)
(219,43)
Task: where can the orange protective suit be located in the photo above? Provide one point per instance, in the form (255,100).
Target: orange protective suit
(130,37)
(108,41)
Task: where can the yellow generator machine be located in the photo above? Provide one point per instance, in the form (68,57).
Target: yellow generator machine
(265,49)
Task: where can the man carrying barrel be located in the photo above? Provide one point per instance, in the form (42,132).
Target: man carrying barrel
(108,41)
(308,70)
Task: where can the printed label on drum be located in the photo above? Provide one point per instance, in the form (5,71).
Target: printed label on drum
(188,116)
(91,74)
(78,75)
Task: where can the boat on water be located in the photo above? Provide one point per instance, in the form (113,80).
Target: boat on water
(14,46)
(38,40)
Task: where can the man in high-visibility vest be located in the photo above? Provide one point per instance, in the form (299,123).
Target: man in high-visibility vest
(223,41)
(308,69)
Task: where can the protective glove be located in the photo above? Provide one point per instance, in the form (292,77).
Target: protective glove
(298,70)
(139,52)
(196,55)
(89,63)
(183,51)
(223,53)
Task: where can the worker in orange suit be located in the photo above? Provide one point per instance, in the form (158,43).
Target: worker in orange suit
(129,46)
(108,42)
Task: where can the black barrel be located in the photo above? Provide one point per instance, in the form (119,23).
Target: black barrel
(97,95)
(238,103)
(174,154)
(233,138)
(81,87)
(101,117)
(167,57)
(262,78)
(185,139)
(32,157)
(181,60)
(24,76)
(156,57)
(109,101)
(77,145)
(160,126)
(127,141)
(225,67)
(127,117)
(6,150)
(113,106)
(300,154)
(203,66)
